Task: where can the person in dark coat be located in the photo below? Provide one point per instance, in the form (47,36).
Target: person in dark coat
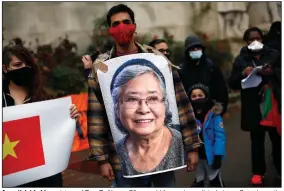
(273,38)
(197,68)
(253,55)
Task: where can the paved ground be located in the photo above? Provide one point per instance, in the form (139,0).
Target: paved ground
(236,169)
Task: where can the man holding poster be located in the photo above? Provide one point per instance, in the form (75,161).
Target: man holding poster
(122,28)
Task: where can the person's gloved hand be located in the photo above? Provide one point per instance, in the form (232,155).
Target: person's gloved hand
(217,162)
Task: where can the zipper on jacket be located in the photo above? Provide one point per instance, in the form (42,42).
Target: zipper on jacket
(6,104)
(253,63)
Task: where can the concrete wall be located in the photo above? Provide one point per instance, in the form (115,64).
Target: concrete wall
(48,21)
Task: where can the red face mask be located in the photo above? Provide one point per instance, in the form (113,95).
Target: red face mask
(122,33)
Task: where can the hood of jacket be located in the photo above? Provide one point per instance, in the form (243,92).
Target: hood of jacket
(191,41)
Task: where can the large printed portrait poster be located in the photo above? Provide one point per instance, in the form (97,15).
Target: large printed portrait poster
(140,101)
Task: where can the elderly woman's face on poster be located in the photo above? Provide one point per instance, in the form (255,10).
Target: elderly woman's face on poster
(143,114)
(142,109)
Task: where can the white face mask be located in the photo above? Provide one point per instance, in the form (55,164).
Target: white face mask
(255,46)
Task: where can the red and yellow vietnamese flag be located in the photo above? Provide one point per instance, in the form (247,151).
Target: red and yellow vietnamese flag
(22,145)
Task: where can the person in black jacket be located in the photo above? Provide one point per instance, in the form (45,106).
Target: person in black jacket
(273,38)
(197,68)
(252,55)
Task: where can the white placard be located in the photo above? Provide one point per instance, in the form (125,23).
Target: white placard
(57,134)
(127,69)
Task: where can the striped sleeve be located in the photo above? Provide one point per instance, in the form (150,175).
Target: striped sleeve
(186,116)
(98,126)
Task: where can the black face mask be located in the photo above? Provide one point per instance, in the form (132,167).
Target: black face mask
(201,107)
(21,77)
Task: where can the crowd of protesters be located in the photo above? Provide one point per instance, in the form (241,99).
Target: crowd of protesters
(205,87)
(200,87)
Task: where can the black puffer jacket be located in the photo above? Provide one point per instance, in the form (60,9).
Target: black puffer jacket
(251,97)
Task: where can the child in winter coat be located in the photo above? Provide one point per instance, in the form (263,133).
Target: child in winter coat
(211,131)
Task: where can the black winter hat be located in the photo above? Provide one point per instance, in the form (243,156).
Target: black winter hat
(191,41)
(204,88)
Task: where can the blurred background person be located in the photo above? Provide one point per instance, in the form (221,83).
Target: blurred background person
(273,38)
(198,68)
(162,46)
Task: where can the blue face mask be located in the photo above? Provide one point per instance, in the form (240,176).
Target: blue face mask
(195,54)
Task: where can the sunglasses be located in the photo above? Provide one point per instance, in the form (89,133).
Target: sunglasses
(164,51)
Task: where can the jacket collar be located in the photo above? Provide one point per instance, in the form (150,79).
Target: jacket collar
(5,87)
(200,63)
(141,49)
(112,54)
(6,94)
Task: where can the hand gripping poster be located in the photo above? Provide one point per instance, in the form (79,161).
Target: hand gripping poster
(140,102)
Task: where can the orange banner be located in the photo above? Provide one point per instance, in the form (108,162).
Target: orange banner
(80,138)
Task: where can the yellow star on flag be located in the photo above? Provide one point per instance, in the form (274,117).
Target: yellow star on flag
(8,147)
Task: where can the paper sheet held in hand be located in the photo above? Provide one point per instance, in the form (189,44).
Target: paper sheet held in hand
(252,80)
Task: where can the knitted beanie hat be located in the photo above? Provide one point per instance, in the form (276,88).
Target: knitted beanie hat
(204,88)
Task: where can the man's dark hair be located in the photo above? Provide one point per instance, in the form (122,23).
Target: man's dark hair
(252,29)
(121,8)
(153,43)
